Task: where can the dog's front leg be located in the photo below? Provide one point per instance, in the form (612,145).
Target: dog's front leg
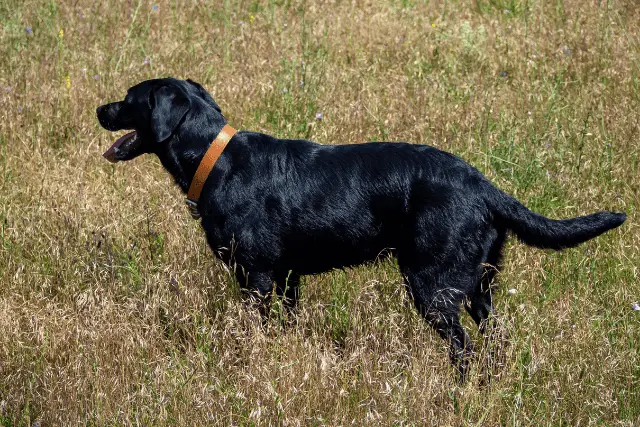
(257,288)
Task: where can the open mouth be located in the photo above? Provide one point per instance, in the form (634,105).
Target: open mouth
(110,154)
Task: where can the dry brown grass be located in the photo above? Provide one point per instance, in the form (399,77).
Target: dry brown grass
(113,310)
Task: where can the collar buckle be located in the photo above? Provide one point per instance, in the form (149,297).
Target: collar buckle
(193,208)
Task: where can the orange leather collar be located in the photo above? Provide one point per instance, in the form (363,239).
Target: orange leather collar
(206,165)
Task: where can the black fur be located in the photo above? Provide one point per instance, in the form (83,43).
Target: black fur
(275,209)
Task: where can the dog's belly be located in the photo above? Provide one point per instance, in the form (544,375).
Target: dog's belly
(302,249)
(319,255)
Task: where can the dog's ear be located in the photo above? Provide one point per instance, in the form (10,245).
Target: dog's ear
(203,92)
(169,105)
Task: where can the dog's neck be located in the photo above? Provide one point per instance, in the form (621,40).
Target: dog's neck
(182,164)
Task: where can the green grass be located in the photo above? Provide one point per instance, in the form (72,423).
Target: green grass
(113,309)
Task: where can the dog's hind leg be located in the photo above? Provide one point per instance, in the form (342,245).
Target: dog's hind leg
(437,295)
(480,306)
(438,257)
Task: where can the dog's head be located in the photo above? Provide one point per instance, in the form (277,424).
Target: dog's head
(154,110)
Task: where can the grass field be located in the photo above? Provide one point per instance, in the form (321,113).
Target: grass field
(113,309)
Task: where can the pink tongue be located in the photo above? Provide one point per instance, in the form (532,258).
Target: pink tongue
(110,154)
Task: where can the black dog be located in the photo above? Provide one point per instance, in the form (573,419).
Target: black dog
(277,209)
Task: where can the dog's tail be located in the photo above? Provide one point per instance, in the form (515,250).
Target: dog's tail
(542,232)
